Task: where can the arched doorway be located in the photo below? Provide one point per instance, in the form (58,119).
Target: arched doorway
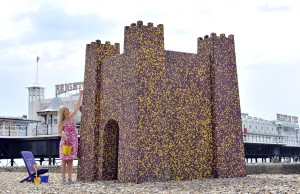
(110,150)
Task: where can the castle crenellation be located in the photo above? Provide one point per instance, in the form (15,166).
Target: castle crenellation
(214,35)
(106,45)
(140,24)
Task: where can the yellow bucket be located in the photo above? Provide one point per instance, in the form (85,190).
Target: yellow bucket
(66,150)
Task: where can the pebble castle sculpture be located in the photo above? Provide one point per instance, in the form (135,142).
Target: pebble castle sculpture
(152,114)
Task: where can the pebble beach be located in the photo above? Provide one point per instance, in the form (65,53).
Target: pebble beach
(260,183)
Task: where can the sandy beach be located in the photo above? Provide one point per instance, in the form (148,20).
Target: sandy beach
(261,183)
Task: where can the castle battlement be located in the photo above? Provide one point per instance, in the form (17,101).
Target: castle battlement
(140,24)
(214,35)
(97,44)
(207,45)
(141,37)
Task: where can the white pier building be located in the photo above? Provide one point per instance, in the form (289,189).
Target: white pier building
(282,131)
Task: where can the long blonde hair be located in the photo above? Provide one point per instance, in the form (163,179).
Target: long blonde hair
(60,114)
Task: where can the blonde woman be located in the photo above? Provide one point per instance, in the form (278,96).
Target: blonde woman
(67,132)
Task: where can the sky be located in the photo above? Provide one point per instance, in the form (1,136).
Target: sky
(266,33)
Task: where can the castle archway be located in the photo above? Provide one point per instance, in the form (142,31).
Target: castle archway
(110,150)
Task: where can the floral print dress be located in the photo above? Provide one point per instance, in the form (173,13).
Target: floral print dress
(70,131)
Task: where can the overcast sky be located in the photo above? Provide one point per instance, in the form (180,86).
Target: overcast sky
(267,38)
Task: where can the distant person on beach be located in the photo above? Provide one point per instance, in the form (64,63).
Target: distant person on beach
(67,132)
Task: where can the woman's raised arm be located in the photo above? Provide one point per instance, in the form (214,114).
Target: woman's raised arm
(73,113)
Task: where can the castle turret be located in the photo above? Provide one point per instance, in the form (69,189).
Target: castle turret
(96,55)
(226,119)
(144,46)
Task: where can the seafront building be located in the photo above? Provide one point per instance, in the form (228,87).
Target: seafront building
(42,119)
(283,131)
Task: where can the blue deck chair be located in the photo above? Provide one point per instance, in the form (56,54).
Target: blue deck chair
(29,162)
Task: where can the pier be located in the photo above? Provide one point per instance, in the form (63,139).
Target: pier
(44,147)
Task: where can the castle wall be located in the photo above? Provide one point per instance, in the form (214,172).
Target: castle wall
(189,115)
(119,99)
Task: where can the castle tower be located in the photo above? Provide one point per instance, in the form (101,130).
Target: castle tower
(225,109)
(127,95)
(143,156)
(89,150)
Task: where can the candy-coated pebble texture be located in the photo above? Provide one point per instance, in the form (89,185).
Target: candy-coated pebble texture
(151,114)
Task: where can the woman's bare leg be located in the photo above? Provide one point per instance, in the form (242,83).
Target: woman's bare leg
(63,170)
(70,169)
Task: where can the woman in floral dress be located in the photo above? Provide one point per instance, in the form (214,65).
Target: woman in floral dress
(67,132)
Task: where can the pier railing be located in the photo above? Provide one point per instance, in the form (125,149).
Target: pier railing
(13,130)
(35,130)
